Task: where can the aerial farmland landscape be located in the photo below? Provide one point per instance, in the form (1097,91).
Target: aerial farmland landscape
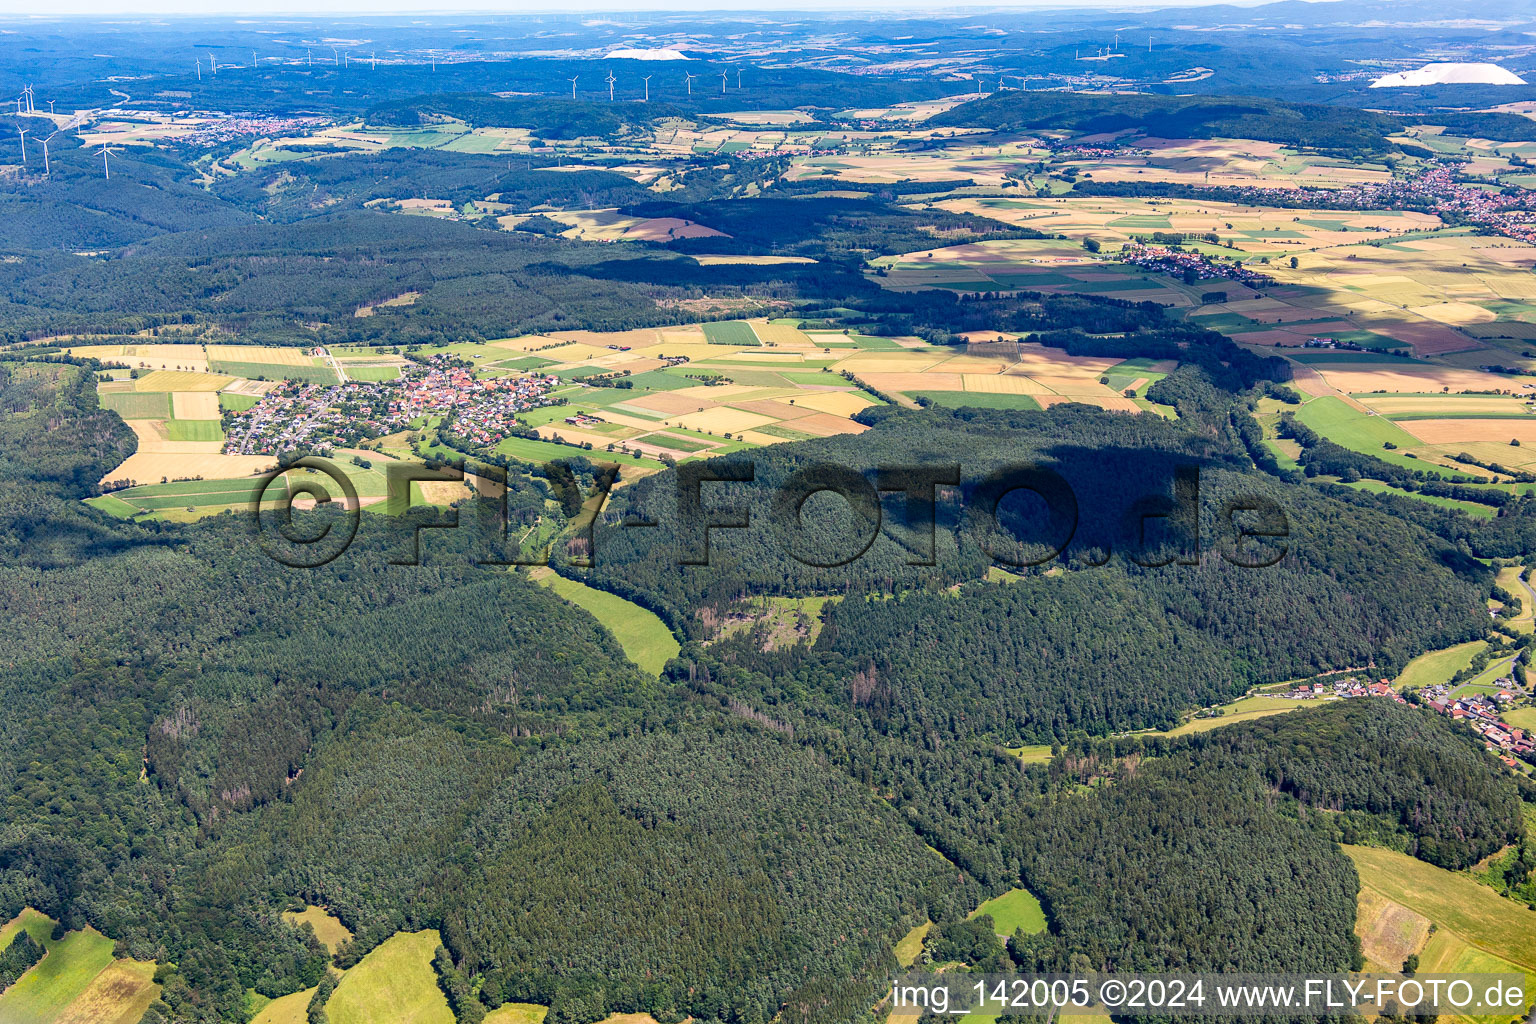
(811,515)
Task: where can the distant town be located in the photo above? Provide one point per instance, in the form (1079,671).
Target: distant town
(300,415)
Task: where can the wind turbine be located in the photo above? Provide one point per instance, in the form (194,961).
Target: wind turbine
(647,81)
(610,80)
(375,57)
(23,133)
(689,79)
(199,65)
(309,58)
(253,60)
(738,78)
(31,106)
(211,65)
(50,106)
(572,80)
(46,172)
(346,59)
(434,62)
(722,83)
(335,56)
(106,171)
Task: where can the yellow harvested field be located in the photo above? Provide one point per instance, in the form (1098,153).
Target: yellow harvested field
(779,334)
(1454,313)
(149,357)
(575,353)
(639,338)
(721,420)
(839,403)
(1075,386)
(1357,378)
(973,364)
(154,440)
(1389,932)
(150,468)
(179,380)
(118,995)
(528,343)
(276,355)
(887,362)
(195,405)
(825,425)
(1446,405)
(914,381)
(1003,384)
(1037,359)
(1455,431)
(674,403)
(444,492)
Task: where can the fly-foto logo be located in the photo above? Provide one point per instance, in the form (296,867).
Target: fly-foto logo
(1162,527)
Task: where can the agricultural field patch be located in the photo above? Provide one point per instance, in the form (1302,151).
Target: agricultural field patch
(328,928)
(44,993)
(137,405)
(182,380)
(1014,910)
(146,357)
(731,332)
(397,974)
(646,640)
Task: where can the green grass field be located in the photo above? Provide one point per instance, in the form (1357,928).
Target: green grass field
(194,430)
(394,983)
(1013,910)
(137,405)
(290,1009)
(1243,710)
(645,638)
(1360,432)
(731,332)
(1452,900)
(1472,508)
(1521,718)
(237,403)
(371,372)
(517,1013)
(1032,753)
(1476,929)
(274,371)
(113,506)
(1437,666)
(69,967)
(911,944)
(976,400)
(547,451)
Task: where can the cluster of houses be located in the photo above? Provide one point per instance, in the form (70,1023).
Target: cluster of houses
(1189,265)
(300,416)
(1436,190)
(1347,687)
(1480,712)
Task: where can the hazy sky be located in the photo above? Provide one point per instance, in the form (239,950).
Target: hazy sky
(130,8)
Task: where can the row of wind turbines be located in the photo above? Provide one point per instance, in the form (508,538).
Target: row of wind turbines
(339,58)
(687,79)
(26,103)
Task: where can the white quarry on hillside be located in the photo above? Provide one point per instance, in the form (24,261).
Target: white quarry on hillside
(1449,74)
(633,54)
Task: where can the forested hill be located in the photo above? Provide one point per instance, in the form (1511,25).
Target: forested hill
(1352,588)
(201,739)
(1343,129)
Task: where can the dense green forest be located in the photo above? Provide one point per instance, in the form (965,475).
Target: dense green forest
(527,734)
(1315,126)
(197,739)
